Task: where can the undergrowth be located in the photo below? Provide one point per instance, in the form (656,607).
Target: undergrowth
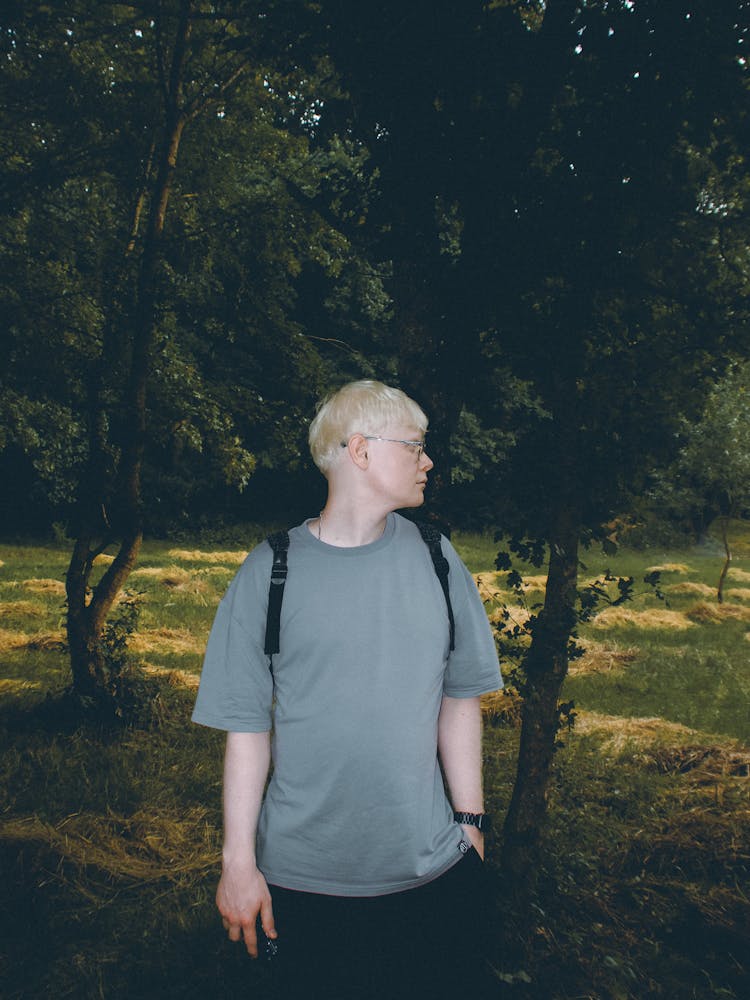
(110,836)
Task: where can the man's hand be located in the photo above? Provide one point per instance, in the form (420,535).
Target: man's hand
(475,838)
(243,894)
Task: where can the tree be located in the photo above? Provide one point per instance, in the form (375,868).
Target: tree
(169,221)
(564,154)
(712,470)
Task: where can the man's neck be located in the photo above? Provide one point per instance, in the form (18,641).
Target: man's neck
(347,526)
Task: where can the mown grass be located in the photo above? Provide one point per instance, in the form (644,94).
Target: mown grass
(109,840)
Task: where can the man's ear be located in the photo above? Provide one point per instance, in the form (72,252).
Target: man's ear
(357,448)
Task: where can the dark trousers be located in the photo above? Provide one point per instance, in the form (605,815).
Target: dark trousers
(426,942)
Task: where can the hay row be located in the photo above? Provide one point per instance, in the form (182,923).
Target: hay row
(232,557)
(173,676)
(653,618)
(600,657)
(166,640)
(620,732)
(14,686)
(55,588)
(21,609)
(11,640)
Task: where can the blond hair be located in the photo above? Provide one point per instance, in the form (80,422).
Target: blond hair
(364,407)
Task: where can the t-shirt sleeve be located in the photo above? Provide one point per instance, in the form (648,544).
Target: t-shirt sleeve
(236,686)
(473,667)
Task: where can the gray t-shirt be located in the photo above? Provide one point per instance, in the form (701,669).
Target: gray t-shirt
(356,804)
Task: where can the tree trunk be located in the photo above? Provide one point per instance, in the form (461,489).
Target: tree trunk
(88,609)
(727,558)
(546,666)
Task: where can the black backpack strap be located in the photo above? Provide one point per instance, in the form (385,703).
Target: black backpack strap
(279,542)
(431,537)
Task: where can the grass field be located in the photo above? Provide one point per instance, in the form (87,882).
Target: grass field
(109,841)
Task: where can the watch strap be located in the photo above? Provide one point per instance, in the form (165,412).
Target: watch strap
(480,820)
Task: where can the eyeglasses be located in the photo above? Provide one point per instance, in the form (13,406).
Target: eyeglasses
(419,445)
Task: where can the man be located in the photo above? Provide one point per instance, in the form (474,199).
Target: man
(353,868)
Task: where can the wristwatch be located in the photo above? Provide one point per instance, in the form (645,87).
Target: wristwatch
(481,821)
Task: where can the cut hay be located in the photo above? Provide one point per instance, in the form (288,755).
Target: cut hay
(21,609)
(602,657)
(232,558)
(669,568)
(492,586)
(489,586)
(509,615)
(166,640)
(501,708)
(15,686)
(55,588)
(170,576)
(103,559)
(177,579)
(738,593)
(714,614)
(708,763)
(173,677)
(691,589)
(55,640)
(11,640)
(621,732)
(145,847)
(653,618)
(739,574)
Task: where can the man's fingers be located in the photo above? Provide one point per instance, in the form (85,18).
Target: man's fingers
(266,919)
(251,939)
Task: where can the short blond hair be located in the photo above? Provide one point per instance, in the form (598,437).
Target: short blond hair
(364,407)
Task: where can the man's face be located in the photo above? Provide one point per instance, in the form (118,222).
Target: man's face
(399,470)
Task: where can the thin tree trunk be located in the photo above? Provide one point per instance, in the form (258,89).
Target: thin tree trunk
(546,666)
(87,618)
(727,558)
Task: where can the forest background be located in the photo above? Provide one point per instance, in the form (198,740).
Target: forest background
(531,216)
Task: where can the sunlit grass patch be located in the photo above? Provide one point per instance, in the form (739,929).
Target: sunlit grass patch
(706,613)
(661,619)
(231,557)
(738,593)
(740,575)
(669,567)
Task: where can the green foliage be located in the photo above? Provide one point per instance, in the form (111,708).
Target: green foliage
(256,227)
(712,471)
